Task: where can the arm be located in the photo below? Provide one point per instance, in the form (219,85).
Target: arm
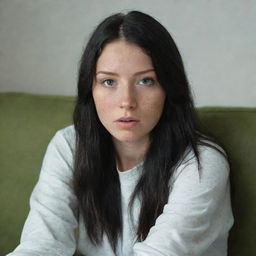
(198,211)
(49,228)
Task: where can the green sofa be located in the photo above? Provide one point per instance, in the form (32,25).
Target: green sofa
(27,123)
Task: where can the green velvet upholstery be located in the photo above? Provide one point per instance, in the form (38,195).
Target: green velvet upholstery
(27,123)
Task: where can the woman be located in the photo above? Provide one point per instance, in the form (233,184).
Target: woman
(135,175)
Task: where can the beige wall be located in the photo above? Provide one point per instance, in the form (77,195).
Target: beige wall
(41,42)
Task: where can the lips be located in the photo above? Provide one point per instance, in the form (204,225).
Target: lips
(127,119)
(127,122)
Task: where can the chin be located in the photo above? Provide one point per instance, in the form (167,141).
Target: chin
(130,138)
(125,139)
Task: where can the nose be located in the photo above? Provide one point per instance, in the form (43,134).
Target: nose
(128,97)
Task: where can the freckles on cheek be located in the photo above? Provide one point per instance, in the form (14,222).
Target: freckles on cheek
(103,107)
(153,103)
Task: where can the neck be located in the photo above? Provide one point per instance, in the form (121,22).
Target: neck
(130,154)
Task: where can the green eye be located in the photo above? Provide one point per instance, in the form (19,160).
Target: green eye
(146,81)
(108,82)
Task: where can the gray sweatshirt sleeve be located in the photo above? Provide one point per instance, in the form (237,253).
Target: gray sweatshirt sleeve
(50,226)
(198,215)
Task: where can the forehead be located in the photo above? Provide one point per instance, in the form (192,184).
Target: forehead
(122,55)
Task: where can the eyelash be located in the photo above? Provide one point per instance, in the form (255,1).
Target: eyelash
(103,82)
(152,81)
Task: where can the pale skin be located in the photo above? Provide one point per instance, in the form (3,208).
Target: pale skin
(128,98)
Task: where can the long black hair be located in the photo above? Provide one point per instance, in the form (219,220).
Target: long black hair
(96,181)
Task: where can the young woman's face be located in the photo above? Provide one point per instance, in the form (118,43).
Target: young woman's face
(128,98)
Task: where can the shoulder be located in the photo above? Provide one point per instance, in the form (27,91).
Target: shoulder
(61,146)
(65,138)
(213,167)
(67,133)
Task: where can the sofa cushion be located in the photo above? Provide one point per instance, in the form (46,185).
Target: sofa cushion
(27,123)
(235,129)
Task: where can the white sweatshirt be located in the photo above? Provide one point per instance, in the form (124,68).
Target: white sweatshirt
(195,221)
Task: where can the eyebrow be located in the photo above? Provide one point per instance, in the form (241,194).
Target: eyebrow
(115,74)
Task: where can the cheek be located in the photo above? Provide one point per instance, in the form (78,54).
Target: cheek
(103,105)
(155,104)
(158,109)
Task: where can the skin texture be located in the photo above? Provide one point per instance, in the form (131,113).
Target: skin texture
(126,85)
